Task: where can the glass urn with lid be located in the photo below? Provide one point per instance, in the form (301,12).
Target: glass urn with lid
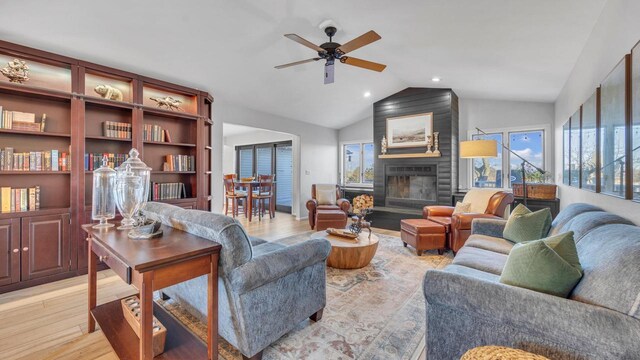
(104,203)
(132,188)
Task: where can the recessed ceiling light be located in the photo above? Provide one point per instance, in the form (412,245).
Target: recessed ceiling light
(366,94)
(435,79)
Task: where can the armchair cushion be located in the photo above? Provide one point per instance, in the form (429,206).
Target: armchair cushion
(525,225)
(479,199)
(274,265)
(462,208)
(326,196)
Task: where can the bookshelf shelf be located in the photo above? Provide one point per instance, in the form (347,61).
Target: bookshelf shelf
(76,124)
(34,133)
(32,91)
(106,138)
(35,172)
(164,143)
(169,113)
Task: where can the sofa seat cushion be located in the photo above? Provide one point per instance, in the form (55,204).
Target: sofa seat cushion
(475,273)
(495,244)
(256,241)
(328,207)
(266,247)
(480,259)
(331,214)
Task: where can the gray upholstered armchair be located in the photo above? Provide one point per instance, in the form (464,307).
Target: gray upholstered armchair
(265,289)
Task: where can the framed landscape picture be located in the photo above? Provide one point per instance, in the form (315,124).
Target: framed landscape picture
(409,130)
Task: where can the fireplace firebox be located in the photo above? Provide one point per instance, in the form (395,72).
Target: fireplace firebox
(411,186)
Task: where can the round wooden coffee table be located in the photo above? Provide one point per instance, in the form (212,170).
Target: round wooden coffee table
(347,253)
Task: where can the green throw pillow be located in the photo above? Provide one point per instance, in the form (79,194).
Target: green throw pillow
(525,225)
(549,265)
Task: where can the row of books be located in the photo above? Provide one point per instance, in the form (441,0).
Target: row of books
(118,130)
(19,199)
(49,160)
(156,133)
(179,163)
(16,120)
(167,191)
(93,161)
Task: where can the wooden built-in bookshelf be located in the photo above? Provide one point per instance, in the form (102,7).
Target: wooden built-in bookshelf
(63,89)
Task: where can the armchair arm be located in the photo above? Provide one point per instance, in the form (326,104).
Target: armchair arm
(344,204)
(489,227)
(437,210)
(463,221)
(533,316)
(312,205)
(278,264)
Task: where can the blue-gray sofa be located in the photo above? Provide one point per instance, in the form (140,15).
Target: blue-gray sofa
(467,306)
(265,289)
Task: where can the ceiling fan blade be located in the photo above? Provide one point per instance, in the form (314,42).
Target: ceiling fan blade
(369,65)
(328,72)
(296,63)
(304,42)
(360,41)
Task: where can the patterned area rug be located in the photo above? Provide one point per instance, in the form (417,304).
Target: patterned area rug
(376,312)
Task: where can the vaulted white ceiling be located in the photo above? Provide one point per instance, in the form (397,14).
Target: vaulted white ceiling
(498,49)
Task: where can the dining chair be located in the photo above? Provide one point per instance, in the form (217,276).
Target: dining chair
(231,193)
(263,194)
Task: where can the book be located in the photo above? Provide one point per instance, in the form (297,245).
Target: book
(5,199)
(24,117)
(32,199)
(54,160)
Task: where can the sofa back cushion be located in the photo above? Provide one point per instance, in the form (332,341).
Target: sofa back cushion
(479,199)
(583,223)
(610,256)
(160,212)
(236,245)
(569,213)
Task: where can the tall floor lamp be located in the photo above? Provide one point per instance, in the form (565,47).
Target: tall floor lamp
(489,149)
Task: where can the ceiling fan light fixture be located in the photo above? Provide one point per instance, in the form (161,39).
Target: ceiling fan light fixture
(436,79)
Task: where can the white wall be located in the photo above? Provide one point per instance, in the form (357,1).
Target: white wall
(491,115)
(256,136)
(316,147)
(362,130)
(613,36)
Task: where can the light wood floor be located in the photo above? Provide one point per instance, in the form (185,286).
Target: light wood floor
(50,321)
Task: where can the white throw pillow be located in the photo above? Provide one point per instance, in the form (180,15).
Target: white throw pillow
(326,196)
(462,207)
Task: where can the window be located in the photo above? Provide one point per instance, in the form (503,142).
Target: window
(566,137)
(613,141)
(245,162)
(574,156)
(357,164)
(529,145)
(635,120)
(588,148)
(489,172)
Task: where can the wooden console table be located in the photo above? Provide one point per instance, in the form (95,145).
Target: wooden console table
(151,265)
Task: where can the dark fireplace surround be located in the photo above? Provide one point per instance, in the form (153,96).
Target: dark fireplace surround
(403,186)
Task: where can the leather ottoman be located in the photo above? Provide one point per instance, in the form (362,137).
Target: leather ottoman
(446,222)
(423,235)
(330,219)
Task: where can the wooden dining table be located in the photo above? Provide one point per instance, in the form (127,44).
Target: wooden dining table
(250,185)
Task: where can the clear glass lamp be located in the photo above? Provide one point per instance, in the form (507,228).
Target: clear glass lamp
(132,188)
(103,206)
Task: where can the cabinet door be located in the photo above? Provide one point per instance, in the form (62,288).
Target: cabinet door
(45,245)
(9,251)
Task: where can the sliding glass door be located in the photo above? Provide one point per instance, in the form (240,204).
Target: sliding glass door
(269,159)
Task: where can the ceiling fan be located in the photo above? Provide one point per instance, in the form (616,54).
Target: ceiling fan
(330,51)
